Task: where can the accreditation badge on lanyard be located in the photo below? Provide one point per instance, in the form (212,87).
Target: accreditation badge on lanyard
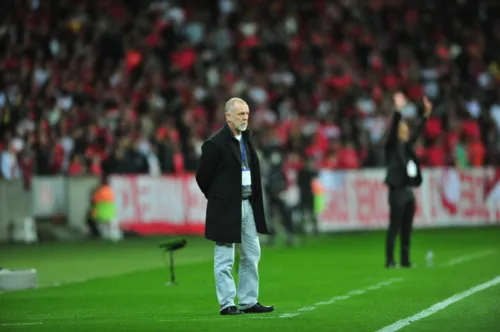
(411,169)
(246,179)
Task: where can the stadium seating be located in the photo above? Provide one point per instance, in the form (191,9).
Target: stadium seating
(90,86)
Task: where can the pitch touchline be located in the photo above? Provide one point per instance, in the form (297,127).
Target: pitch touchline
(20,324)
(465,258)
(299,311)
(340,298)
(286,315)
(439,306)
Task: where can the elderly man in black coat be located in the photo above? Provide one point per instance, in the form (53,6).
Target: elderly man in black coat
(228,174)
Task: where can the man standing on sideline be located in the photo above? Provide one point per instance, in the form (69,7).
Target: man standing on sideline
(403,173)
(276,190)
(305,178)
(228,174)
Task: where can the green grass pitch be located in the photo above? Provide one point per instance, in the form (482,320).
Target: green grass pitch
(332,283)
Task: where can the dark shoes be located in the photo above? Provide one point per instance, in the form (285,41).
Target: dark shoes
(256,309)
(231,311)
(404,266)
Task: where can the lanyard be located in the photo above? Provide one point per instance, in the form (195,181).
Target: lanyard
(243,149)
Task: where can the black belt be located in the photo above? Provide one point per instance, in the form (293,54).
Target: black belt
(246,198)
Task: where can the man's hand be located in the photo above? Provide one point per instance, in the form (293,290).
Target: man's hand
(399,101)
(427,107)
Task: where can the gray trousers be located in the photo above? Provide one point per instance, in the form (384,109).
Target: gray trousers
(248,278)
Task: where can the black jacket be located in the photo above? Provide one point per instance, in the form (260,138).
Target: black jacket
(397,176)
(276,183)
(305,179)
(219,178)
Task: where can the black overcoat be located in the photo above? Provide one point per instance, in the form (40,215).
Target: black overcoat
(219,178)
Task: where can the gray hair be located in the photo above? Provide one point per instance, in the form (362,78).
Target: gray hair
(230,104)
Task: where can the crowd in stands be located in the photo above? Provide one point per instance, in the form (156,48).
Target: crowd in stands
(136,86)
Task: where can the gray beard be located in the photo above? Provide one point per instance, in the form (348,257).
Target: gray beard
(241,128)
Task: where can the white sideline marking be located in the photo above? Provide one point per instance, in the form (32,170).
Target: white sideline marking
(342,297)
(466,258)
(20,324)
(292,314)
(307,309)
(334,299)
(192,319)
(68,282)
(288,315)
(211,318)
(439,306)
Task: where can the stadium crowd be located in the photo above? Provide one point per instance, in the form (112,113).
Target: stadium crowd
(135,86)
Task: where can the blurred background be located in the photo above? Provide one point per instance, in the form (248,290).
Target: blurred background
(128,90)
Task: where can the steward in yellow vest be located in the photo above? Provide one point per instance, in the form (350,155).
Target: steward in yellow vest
(104,210)
(104,213)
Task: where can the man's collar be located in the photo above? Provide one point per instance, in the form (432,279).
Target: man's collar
(229,131)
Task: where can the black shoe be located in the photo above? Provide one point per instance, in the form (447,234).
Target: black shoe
(258,309)
(232,310)
(408,265)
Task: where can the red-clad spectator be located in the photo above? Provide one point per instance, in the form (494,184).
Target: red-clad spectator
(476,152)
(178,160)
(421,153)
(331,161)
(293,162)
(95,165)
(349,157)
(76,167)
(134,58)
(391,81)
(184,59)
(415,92)
(471,129)
(452,139)
(436,155)
(433,128)
(319,146)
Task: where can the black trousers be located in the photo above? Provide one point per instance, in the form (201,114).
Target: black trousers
(276,205)
(308,215)
(402,210)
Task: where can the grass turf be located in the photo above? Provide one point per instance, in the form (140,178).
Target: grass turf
(121,287)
